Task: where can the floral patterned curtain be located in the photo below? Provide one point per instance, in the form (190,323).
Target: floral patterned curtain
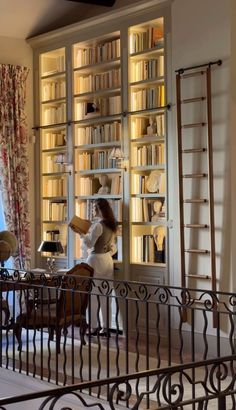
(14,168)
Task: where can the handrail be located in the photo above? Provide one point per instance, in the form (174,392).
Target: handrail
(5,278)
(160,373)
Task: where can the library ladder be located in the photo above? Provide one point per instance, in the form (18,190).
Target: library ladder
(191,151)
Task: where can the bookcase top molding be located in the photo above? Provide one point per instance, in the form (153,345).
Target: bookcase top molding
(112,16)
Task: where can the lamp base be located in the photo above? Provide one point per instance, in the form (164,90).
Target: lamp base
(51,265)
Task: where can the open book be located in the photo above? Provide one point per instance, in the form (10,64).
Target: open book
(79,225)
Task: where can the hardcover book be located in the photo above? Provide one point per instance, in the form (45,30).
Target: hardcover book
(79,225)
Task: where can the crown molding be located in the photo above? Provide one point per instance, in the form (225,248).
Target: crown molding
(111,16)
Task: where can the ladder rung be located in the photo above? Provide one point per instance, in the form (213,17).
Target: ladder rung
(197,251)
(198,226)
(193,150)
(197,124)
(195,276)
(194,175)
(193,74)
(196,201)
(190,100)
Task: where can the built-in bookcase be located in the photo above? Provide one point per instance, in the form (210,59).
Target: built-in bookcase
(98,127)
(53,144)
(103,133)
(147,143)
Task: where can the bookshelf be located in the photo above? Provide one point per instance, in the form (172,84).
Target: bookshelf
(147,144)
(111,93)
(98,128)
(53,147)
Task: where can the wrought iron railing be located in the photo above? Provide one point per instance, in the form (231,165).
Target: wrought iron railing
(148,330)
(170,388)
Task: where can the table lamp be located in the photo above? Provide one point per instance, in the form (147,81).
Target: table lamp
(53,247)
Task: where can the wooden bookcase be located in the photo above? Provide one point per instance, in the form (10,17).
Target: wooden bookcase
(99,94)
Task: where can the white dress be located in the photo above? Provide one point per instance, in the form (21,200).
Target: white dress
(102,263)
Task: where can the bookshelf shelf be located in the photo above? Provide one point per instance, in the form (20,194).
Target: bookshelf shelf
(135,264)
(54,150)
(54,174)
(148,53)
(58,222)
(59,198)
(98,171)
(97,68)
(92,197)
(101,145)
(97,93)
(147,168)
(147,140)
(149,111)
(148,82)
(55,100)
(160,222)
(53,75)
(156,195)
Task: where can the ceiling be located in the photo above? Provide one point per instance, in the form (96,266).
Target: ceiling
(27,18)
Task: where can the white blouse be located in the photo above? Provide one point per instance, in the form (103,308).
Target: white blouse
(91,237)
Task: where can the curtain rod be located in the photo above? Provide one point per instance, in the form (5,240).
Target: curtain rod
(182,70)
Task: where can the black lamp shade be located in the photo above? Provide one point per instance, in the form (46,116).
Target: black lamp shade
(51,246)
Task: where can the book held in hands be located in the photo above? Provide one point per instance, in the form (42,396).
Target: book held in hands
(79,225)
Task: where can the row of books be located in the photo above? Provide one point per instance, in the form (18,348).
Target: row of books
(85,209)
(140,183)
(52,65)
(151,154)
(105,106)
(54,114)
(145,39)
(145,250)
(49,164)
(54,210)
(100,81)
(98,134)
(90,185)
(53,139)
(146,69)
(148,98)
(101,52)
(94,160)
(143,210)
(53,187)
(139,126)
(52,90)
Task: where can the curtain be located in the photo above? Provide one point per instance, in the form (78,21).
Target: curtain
(14,166)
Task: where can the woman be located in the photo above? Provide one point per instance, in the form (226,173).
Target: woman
(100,243)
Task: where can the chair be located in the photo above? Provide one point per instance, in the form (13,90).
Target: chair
(57,314)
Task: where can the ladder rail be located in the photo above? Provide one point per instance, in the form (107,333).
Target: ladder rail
(210,178)
(180,170)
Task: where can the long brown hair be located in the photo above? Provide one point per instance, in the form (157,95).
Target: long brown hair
(108,217)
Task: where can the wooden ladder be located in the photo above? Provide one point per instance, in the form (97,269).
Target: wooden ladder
(188,202)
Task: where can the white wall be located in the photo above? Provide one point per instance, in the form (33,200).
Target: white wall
(18,52)
(200,34)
